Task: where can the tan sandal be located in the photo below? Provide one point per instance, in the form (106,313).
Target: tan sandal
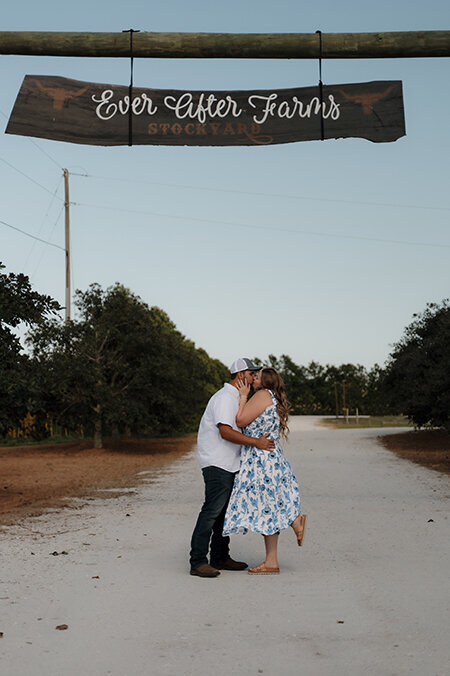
(300,531)
(262,569)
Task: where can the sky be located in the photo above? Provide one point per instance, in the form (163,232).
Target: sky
(319,250)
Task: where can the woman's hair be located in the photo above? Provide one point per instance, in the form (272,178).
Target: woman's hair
(271,380)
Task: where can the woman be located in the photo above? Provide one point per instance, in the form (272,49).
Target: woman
(265,497)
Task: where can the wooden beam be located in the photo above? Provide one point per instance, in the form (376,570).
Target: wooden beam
(230,45)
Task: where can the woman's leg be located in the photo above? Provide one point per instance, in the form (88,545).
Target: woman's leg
(270,565)
(271,544)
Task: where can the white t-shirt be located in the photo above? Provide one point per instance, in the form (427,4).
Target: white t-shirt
(212,448)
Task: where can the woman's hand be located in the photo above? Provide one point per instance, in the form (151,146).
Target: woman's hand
(244,389)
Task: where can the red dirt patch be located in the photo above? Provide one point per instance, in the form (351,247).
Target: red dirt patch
(430,448)
(34,478)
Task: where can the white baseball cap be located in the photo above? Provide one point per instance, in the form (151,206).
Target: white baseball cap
(243,364)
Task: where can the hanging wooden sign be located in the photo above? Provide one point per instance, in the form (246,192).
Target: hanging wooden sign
(98,114)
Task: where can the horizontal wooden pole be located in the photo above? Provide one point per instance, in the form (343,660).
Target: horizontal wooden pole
(230,45)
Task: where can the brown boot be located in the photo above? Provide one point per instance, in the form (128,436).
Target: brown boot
(230,564)
(205,570)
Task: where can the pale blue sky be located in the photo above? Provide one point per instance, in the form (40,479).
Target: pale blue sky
(250,251)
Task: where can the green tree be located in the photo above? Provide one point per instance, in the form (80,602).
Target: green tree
(354,380)
(376,401)
(417,377)
(19,305)
(121,367)
(298,389)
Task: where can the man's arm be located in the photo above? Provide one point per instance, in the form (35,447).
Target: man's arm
(229,434)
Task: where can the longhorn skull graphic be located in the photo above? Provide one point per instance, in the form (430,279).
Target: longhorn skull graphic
(60,96)
(367,101)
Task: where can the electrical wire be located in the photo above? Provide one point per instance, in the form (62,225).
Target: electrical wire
(44,241)
(43,221)
(261,227)
(267,194)
(29,178)
(44,152)
(36,145)
(43,251)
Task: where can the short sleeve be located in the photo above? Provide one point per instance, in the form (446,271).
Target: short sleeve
(225,412)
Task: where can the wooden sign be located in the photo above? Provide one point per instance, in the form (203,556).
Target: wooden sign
(98,114)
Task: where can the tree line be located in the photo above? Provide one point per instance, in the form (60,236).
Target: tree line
(122,368)
(315,389)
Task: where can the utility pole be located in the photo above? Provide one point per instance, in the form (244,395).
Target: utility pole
(336,400)
(67,231)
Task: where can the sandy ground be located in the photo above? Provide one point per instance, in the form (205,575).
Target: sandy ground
(366,594)
(430,448)
(33,478)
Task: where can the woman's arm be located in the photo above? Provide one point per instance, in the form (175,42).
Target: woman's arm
(249,410)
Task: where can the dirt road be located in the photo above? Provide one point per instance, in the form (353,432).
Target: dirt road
(366,594)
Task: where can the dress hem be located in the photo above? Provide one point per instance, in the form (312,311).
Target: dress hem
(243,530)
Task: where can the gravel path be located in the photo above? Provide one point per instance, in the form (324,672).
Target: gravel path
(366,594)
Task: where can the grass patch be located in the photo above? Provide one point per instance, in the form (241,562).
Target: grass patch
(369,421)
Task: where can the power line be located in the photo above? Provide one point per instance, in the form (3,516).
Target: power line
(44,152)
(36,145)
(50,235)
(29,178)
(44,241)
(262,227)
(43,221)
(267,194)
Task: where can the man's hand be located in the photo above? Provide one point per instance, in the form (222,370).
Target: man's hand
(229,434)
(264,443)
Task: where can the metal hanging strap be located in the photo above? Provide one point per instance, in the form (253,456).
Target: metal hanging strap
(130,88)
(322,133)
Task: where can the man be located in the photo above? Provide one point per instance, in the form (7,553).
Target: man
(219,441)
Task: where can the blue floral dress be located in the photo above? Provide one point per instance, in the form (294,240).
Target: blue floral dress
(265,497)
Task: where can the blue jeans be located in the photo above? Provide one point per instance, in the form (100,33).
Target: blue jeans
(218,487)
